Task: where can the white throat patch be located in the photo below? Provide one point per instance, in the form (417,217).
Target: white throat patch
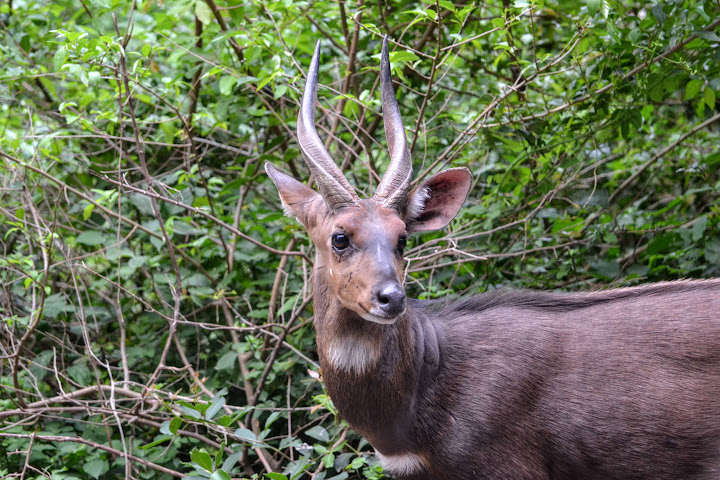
(351,353)
(402,464)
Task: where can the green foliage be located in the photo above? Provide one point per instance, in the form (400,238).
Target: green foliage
(148,310)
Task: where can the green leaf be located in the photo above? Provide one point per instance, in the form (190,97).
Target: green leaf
(658,13)
(340,476)
(80,373)
(265,80)
(175,424)
(280,91)
(712,251)
(214,408)
(498,22)
(87,211)
(693,88)
(709,97)
(605,8)
(165,427)
(276,476)
(593,6)
(219,474)
(146,50)
(161,439)
(607,269)
(225,421)
(711,36)
(90,237)
(403,56)
(299,467)
(351,109)
(138,261)
(271,419)
(95,468)
(191,412)
(93,77)
(319,433)
(219,454)
(245,435)
(203,12)
(227,361)
(447,5)
(660,244)
(357,462)
(231,460)
(226,84)
(698,228)
(59,58)
(202,459)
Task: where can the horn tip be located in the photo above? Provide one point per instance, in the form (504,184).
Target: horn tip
(384,62)
(316,54)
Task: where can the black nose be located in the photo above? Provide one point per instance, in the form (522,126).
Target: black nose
(391,299)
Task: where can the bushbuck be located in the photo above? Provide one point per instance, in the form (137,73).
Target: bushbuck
(511,385)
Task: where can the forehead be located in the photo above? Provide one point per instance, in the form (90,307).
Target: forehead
(371,217)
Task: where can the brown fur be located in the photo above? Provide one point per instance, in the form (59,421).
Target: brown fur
(621,384)
(617,384)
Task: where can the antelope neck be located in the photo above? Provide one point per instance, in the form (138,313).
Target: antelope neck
(374,372)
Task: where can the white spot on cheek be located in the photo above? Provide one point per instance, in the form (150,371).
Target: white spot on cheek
(402,464)
(353,354)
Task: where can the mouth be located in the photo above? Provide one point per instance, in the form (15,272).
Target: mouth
(376,316)
(373,314)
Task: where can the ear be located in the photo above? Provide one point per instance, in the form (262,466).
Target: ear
(297,199)
(434,203)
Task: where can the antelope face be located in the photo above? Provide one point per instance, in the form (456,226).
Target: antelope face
(360,243)
(364,260)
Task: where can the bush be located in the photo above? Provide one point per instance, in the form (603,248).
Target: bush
(156,304)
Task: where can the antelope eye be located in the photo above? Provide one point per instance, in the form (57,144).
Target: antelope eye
(340,241)
(402,243)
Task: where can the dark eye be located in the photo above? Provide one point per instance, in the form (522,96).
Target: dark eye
(340,241)
(402,243)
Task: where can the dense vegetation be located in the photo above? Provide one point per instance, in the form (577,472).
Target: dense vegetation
(156,309)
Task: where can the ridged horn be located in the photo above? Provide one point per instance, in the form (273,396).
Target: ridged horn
(332,184)
(393,189)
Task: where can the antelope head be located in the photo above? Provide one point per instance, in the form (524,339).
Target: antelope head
(360,242)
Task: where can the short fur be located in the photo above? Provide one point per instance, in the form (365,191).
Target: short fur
(510,385)
(618,384)
(615,384)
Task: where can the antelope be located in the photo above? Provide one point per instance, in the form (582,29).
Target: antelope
(615,384)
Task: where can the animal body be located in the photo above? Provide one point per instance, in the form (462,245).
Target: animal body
(618,384)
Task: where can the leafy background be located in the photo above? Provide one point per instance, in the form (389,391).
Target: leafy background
(156,309)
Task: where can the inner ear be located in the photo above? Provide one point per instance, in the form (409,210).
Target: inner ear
(433,204)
